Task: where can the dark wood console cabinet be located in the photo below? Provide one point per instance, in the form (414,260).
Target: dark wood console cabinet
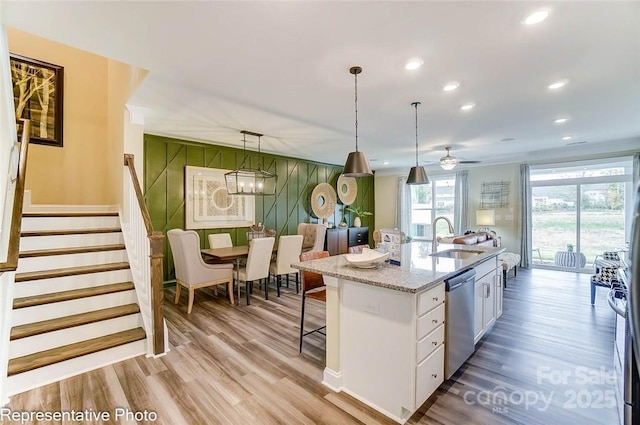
(339,239)
(358,236)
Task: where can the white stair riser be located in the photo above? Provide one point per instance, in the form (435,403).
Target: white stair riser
(68,283)
(33,344)
(38,313)
(33,264)
(68,223)
(33,243)
(45,375)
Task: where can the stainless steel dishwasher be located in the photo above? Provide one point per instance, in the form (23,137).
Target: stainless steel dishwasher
(459,346)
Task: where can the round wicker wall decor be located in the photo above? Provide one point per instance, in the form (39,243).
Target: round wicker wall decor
(347,189)
(323,200)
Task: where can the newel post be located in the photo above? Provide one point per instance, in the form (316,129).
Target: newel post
(157,292)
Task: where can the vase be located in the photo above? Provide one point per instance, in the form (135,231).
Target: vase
(356,222)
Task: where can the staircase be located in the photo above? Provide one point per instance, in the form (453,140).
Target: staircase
(75,307)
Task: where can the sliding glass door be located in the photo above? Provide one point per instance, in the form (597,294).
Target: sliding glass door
(579,212)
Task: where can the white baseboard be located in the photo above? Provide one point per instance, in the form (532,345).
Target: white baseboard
(332,380)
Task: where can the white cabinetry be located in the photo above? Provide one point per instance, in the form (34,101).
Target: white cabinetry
(488,297)
(397,335)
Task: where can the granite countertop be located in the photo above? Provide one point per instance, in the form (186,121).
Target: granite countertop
(418,270)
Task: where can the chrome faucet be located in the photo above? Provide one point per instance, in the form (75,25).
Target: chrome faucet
(434,243)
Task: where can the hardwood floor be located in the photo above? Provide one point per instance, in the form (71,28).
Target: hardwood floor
(240,365)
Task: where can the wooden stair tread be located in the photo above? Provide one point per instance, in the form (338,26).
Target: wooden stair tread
(69,232)
(71,295)
(74,250)
(66,322)
(70,271)
(71,351)
(71,214)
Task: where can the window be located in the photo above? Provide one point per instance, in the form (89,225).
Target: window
(429,201)
(579,210)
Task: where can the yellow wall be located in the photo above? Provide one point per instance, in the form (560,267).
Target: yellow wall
(507,219)
(87,170)
(386,200)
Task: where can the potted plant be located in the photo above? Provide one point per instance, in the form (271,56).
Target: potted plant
(359,212)
(570,247)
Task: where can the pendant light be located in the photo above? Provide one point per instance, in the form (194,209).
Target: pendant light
(250,181)
(417,175)
(357,164)
(448,162)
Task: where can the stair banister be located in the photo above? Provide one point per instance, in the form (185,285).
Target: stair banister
(14,195)
(146,243)
(11,222)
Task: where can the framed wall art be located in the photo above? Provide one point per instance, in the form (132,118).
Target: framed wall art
(209,206)
(38,91)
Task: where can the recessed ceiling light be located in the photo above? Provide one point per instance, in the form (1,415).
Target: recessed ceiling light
(558,84)
(566,138)
(560,120)
(385,163)
(451,86)
(536,17)
(414,63)
(467,106)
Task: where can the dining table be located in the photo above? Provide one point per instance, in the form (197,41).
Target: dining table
(233,253)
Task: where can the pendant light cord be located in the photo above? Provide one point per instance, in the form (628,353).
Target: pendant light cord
(356,102)
(415,105)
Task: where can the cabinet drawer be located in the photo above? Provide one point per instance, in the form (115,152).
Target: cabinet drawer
(358,236)
(429,343)
(430,299)
(429,375)
(431,320)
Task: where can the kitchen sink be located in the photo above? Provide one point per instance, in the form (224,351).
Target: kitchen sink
(458,254)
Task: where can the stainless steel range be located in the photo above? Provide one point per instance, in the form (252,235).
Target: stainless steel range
(624,365)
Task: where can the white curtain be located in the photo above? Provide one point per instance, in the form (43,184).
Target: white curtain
(461,203)
(636,170)
(525,216)
(403,211)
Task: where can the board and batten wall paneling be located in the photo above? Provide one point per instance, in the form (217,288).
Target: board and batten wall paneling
(164,186)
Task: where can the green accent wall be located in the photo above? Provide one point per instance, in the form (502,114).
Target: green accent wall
(164,188)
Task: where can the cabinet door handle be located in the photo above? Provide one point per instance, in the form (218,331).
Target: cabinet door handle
(435,299)
(434,342)
(435,375)
(435,320)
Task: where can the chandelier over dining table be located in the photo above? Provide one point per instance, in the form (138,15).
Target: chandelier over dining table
(247,180)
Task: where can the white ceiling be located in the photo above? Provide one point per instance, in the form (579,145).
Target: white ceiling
(282,69)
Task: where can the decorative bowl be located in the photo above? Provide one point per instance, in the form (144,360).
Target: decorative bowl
(368,259)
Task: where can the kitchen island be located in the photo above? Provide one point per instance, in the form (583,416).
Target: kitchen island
(385,326)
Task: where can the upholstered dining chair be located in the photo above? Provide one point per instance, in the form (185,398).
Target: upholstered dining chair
(191,271)
(289,249)
(314,235)
(220,240)
(312,287)
(604,278)
(257,267)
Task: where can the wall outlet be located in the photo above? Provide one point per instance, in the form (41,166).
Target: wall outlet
(373,308)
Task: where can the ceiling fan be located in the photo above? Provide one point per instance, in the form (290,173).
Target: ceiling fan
(449,162)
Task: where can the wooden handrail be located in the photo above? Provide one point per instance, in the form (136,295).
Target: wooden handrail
(128,162)
(155,243)
(18,197)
